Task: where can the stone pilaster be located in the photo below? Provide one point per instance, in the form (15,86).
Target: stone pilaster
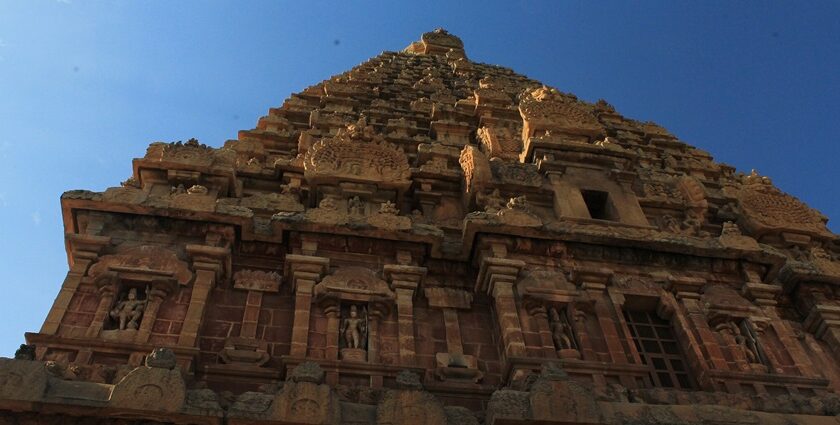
(687,292)
(210,264)
(304,271)
(497,277)
(156,296)
(540,314)
(404,280)
(83,250)
(594,282)
(450,300)
(105,286)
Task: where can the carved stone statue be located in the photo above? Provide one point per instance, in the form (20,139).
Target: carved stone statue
(389,208)
(561,332)
(354,329)
(747,345)
(491,203)
(129,311)
(355,206)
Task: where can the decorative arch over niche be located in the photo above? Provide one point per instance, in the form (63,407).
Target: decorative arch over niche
(120,278)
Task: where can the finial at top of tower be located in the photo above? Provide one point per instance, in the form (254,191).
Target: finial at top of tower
(438,42)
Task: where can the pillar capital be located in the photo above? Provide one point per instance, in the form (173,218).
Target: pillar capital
(210,258)
(494,271)
(305,268)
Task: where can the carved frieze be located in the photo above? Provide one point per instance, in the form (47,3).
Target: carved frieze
(545,108)
(344,158)
(768,209)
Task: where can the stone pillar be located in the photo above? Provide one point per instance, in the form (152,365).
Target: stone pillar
(332,309)
(594,282)
(156,296)
(210,264)
(450,300)
(687,292)
(579,325)
(497,276)
(765,297)
(540,314)
(454,343)
(404,280)
(83,251)
(253,303)
(304,271)
(105,286)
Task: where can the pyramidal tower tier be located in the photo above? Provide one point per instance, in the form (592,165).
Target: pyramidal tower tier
(426,239)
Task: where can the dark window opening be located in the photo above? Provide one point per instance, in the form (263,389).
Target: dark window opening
(597,202)
(658,348)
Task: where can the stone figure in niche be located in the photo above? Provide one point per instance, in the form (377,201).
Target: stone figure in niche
(354,329)
(492,203)
(669,224)
(743,341)
(518,203)
(328,203)
(561,332)
(129,311)
(355,206)
(747,343)
(388,208)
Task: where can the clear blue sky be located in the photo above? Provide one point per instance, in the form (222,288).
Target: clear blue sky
(86,85)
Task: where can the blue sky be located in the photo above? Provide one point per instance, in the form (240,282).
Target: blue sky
(85,86)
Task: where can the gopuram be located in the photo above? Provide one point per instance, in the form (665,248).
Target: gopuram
(428,240)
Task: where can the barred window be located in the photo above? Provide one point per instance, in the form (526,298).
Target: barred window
(658,347)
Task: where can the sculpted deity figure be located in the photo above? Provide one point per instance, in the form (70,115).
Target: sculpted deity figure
(561,332)
(355,206)
(129,311)
(388,207)
(747,345)
(518,203)
(669,224)
(354,329)
(492,202)
(328,203)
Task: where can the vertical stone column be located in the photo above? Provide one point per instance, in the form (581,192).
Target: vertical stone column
(765,297)
(538,311)
(687,292)
(496,276)
(304,271)
(332,309)
(105,285)
(450,300)
(156,295)
(594,282)
(404,280)
(253,303)
(210,264)
(579,325)
(83,251)
(454,342)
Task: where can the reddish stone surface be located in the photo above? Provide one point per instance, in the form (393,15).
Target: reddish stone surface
(507,243)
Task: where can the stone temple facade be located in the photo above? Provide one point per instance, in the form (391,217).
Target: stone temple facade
(425,239)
